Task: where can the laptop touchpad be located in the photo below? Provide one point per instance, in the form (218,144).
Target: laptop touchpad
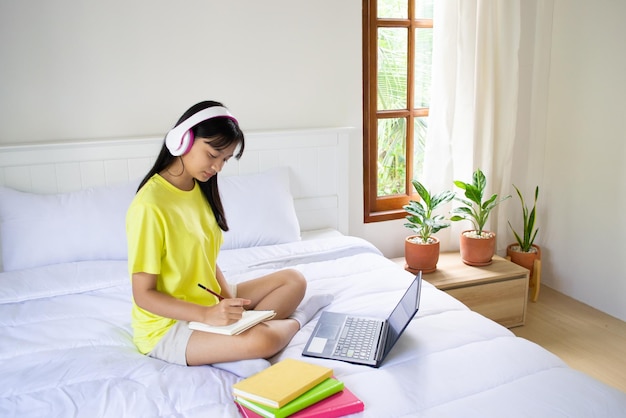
(328,331)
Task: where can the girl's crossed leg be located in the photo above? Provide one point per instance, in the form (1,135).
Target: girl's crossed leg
(282,291)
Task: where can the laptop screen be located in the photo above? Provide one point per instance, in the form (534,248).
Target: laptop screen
(403,312)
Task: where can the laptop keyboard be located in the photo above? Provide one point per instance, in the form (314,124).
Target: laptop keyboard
(357,338)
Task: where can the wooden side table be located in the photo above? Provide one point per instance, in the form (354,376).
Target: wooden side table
(498,291)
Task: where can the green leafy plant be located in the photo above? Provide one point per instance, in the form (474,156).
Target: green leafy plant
(421,218)
(475,209)
(530,232)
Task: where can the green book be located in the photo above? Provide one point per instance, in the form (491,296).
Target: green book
(322,391)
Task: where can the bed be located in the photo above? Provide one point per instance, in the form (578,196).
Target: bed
(66,347)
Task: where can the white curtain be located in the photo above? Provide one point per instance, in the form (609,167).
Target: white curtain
(489,102)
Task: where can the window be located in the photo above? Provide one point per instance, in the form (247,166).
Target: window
(397,51)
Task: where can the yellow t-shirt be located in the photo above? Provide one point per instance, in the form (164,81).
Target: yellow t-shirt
(171,233)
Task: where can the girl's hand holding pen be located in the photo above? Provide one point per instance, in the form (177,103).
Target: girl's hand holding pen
(226,312)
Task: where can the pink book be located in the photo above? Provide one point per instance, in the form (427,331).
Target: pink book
(337,405)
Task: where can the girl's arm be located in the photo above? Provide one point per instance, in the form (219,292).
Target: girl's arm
(147,297)
(223,283)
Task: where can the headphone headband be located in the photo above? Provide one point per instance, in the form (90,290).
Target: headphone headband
(180,138)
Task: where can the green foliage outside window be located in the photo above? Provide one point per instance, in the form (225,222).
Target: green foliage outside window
(392,76)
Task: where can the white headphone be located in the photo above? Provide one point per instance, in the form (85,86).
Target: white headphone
(180,138)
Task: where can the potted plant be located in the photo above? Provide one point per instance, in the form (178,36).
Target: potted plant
(421,250)
(524,252)
(477,246)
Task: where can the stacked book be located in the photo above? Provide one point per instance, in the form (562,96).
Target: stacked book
(294,388)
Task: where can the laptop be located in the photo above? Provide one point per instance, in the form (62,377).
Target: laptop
(375,337)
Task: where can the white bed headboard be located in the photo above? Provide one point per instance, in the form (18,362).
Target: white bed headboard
(317,159)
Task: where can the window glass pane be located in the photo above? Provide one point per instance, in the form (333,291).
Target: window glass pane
(419,143)
(423,66)
(391,156)
(397,9)
(392,68)
(424,9)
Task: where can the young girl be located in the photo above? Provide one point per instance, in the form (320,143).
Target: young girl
(174,228)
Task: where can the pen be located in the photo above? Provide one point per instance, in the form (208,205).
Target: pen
(220,297)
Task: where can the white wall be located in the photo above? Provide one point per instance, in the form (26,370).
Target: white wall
(585,180)
(80,69)
(73,69)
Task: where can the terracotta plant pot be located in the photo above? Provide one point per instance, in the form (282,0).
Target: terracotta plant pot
(530,261)
(526,260)
(421,257)
(477,251)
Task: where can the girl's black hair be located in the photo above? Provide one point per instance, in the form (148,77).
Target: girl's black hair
(223,132)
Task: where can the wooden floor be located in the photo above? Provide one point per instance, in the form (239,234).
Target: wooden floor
(582,336)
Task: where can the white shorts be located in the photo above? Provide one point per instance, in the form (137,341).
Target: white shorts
(173,346)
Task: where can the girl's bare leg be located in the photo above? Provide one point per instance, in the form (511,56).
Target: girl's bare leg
(281,291)
(261,341)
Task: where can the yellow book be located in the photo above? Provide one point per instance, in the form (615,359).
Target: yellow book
(282,382)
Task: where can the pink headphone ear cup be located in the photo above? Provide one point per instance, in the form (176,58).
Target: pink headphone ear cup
(178,144)
(186,142)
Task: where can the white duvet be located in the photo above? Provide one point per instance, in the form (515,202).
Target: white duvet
(66,347)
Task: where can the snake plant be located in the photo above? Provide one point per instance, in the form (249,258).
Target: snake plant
(530,233)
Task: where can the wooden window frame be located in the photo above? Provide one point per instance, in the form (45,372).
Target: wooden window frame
(386,207)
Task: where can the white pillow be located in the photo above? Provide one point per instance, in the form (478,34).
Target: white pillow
(259,209)
(44,229)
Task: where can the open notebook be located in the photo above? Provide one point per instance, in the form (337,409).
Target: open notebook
(248,320)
